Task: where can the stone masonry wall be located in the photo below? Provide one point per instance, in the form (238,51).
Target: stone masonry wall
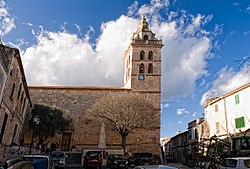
(74,101)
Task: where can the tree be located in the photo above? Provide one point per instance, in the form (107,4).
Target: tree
(51,122)
(126,111)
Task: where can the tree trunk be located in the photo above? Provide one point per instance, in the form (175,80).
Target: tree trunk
(124,136)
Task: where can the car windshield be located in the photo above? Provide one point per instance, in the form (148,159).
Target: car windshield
(118,156)
(39,162)
(229,163)
(93,154)
(57,154)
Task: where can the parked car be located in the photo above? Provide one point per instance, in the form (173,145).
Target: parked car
(157,159)
(18,163)
(21,165)
(235,163)
(154,167)
(59,159)
(140,159)
(116,161)
(168,158)
(40,161)
(93,159)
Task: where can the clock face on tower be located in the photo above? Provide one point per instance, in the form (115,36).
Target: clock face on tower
(141,77)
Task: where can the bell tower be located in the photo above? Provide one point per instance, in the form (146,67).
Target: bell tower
(143,60)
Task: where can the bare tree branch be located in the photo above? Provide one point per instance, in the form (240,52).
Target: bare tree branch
(126,111)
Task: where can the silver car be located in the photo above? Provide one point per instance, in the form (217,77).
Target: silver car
(154,167)
(235,163)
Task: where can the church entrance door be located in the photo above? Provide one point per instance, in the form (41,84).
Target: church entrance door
(66,139)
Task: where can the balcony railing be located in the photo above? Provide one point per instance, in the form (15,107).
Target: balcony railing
(150,42)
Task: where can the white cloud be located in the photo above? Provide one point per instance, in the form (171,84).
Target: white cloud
(164,105)
(196,22)
(152,9)
(180,122)
(236,4)
(194,114)
(246,33)
(248,9)
(133,8)
(62,58)
(182,111)
(6,20)
(227,80)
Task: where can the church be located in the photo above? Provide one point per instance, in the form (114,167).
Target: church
(142,75)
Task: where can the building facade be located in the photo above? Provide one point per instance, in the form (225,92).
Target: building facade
(177,147)
(142,76)
(15,104)
(229,114)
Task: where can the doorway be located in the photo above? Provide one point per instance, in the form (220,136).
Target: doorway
(66,140)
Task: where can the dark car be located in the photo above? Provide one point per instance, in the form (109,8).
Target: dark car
(59,159)
(40,161)
(116,161)
(18,163)
(93,159)
(140,159)
(168,158)
(157,159)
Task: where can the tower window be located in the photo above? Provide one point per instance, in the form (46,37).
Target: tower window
(145,37)
(12,91)
(150,55)
(150,68)
(141,68)
(142,54)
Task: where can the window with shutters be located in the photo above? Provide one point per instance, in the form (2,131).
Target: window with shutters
(217,124)
(237,99)
(216,108)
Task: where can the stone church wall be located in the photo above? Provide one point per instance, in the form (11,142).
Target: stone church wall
(74,101)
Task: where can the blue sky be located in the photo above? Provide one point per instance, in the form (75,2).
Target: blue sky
(82,43)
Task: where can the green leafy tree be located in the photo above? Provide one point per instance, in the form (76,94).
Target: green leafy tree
(51,122)
(127,112)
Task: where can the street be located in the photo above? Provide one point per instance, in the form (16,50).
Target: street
(177,165)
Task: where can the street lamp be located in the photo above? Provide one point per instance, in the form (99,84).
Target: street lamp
(36,121)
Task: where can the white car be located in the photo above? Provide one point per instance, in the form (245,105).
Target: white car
(235,163)
(154,167)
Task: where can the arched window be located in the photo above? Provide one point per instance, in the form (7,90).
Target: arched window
(141,68)
(142,55)
(150,68)
(150,55)
(145,37)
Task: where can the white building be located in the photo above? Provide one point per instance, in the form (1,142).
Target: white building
(229,114)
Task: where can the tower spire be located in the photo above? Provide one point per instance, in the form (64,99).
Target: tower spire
(143,26)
